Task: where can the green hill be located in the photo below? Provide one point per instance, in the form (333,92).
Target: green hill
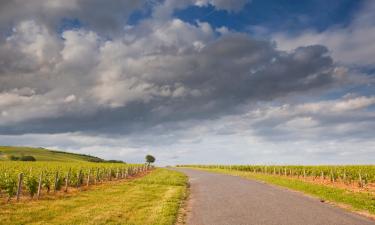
(42,154)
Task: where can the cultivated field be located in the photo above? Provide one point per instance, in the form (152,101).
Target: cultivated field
(68,188)
(153,198)
(34,179)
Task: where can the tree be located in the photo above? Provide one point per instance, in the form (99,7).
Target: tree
(150,159)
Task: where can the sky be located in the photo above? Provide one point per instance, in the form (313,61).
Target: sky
(191,81)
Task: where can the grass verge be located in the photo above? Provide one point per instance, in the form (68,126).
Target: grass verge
(364,203)
(152,199)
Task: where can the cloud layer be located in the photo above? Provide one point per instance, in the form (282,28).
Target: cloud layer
(155,72)
(103,83)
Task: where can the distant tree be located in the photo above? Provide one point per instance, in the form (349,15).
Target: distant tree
(27,158)
(150,159)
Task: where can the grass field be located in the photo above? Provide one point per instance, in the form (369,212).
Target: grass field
(356,201)
(152,199)
(42,154)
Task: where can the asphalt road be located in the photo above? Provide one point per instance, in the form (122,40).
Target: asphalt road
(218,199)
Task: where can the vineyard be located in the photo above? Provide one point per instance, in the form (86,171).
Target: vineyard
(359,174)
(34,179)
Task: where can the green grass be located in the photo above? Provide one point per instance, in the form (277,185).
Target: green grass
(41,154)
(355,200)
(153,199)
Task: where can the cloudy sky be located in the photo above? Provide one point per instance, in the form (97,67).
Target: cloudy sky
(191,81)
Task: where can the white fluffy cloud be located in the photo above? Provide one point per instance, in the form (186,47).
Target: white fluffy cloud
(350,45)
(340,119)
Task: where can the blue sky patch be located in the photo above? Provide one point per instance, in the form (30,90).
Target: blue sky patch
(290,15)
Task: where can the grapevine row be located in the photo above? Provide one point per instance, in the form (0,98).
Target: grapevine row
(34,178)
(362,174)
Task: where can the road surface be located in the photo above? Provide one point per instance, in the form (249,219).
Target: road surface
(218,199)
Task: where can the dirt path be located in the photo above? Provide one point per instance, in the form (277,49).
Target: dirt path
(218,199)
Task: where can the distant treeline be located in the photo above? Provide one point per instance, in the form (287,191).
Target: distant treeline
(99,160)
(21,158)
